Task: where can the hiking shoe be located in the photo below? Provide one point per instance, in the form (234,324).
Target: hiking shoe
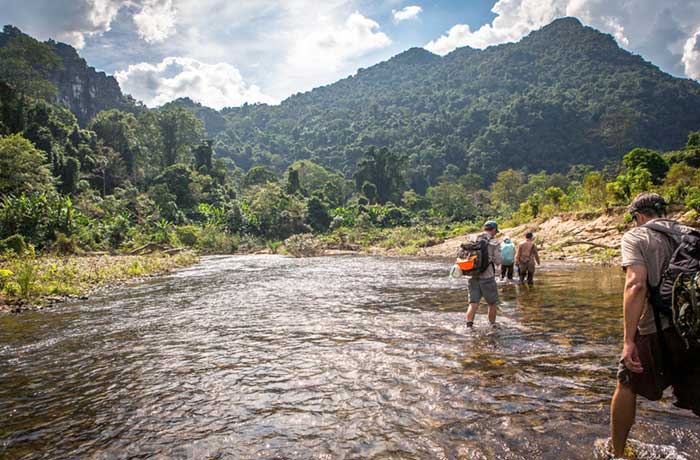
(470,323)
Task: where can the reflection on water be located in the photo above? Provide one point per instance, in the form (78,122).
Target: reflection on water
(342,357)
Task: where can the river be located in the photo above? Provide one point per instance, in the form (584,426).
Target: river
(323,358)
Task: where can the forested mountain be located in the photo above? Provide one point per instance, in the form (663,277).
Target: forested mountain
(563,95)
(80,88)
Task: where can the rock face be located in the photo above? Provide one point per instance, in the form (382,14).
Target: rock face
(81,89)
(85,91)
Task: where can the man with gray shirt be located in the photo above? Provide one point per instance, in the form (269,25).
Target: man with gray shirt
(484,284)
(651,362)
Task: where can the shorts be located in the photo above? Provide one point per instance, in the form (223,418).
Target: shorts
(483,287)
(682,372)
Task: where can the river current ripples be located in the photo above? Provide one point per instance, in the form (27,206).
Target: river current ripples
(343,357)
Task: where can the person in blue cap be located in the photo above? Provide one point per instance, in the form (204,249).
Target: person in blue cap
(483,283)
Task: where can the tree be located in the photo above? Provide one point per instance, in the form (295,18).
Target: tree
(70,175)
(383,169)
(117,130)
(594,190)
(317,214)
(293,184)
(27,65)
(22,167)
(649,160)
(178,179)
(452,201)
(258,175)
(169,134)
(506,191)
(203,155)
(693,140)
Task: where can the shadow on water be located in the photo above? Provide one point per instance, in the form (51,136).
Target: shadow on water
(342,357)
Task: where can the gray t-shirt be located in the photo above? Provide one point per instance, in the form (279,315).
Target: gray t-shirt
(643,246)
(495,258)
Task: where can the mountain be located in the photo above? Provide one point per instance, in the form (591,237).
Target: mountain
(81,89)
(565,94)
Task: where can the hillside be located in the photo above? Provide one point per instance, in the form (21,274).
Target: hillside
(81,89)
(565,94)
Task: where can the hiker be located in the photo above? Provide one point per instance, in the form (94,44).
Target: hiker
(653,360)
(525,258)
(482,280)
(508,258)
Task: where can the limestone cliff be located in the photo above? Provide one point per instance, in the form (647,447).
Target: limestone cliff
(81,88)
(84,90)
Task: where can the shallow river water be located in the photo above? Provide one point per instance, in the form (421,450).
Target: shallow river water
(323,358)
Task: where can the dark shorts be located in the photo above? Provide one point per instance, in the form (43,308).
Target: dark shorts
(682,372)
(485,288)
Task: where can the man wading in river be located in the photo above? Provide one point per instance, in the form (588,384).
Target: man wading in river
(482,279)
(651,362)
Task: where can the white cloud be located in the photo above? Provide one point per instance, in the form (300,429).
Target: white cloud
(691,56)
(214,85)
(660,31)
(326,48)
(407,13)
(156,20)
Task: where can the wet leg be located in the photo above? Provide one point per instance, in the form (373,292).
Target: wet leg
(623,410)
(471,313)
(492,313)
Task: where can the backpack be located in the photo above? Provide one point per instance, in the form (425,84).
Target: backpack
(508,253)
(678,294)
(473,256)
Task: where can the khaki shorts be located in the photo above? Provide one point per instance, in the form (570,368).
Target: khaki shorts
(485,288)
(682,372)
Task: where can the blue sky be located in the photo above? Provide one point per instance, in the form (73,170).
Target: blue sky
(225,53)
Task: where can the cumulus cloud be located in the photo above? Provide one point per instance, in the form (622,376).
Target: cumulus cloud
(156,20)
(214,85)
(664,32)
(330,45)
(66,21)
(691,56)
(75,20)
(407,13)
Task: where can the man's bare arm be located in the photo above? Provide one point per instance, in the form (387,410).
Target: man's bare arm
(634,297)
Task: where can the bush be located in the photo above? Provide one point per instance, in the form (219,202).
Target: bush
(302,245)
(14,243)
(64,245)
(213,241)
(188,235)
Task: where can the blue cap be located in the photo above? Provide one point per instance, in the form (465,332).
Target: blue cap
(491,224)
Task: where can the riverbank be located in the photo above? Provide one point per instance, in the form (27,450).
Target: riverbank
(37,282)
(583,237)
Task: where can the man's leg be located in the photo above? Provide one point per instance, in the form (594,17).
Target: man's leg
(492,313)
(622,413)
(471,313)
(522,271)
(530,273)
(510,272)
(504,270)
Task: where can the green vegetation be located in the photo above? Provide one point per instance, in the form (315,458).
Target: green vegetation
(383,159)
(50,278)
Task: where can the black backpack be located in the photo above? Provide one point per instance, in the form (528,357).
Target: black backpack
(479,249)
(678,294)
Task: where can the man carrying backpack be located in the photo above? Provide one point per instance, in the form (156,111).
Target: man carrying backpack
(661,260)
(508,258)
(482,279)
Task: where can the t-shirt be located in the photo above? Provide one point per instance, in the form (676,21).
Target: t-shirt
(494,258)
(643,246)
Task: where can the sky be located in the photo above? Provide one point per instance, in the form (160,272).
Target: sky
(226,53)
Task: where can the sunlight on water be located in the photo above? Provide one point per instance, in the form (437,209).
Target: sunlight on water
(324,358)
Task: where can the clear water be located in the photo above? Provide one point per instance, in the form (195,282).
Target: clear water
(324,358)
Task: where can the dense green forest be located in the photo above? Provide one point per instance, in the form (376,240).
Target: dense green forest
(419,142)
